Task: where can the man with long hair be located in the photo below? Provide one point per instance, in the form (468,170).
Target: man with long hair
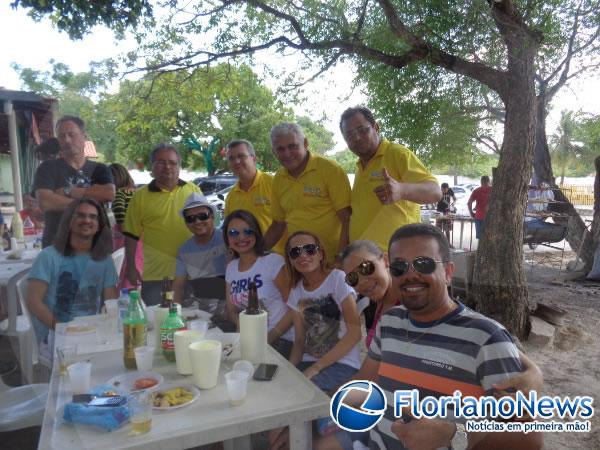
(73,276)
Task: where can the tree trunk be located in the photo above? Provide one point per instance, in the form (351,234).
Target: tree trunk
(500,286)
(543,170)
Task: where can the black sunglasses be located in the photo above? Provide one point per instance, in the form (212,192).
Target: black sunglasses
(309,249)
(365,268)
(232,232)
(421,264)
(203,217)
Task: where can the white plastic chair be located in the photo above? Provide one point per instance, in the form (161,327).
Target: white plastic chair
(29,356)
(23,406)
(18,326)
(118,257)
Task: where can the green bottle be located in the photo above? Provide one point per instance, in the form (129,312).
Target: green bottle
(135,329)
(171,324)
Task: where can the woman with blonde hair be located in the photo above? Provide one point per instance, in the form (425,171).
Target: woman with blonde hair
(323,308)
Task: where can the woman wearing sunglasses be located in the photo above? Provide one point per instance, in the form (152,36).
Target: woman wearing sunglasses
(251,262)
(367,271)
(323,307)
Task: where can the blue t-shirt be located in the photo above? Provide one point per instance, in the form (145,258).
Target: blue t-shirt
(196,260)
(75,284)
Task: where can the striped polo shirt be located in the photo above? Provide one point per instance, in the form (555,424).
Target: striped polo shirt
(463,351)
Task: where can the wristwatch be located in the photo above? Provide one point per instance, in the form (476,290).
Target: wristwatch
(67,190)
(459,440)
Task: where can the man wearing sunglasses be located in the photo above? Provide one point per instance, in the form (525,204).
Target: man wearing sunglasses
(203,256)
(310,193)
(390,181)
(153,216)
(436,345)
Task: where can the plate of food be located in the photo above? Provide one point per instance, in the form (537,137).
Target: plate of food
(175,396)
(79,328)
(136,381)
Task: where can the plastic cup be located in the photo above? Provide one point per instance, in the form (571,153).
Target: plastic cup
(112,311)
(140,412)
(237,382)
(244,366)
(144,358)
(182,340)
(79,376)
(206,360)
(199,325)
(65,356)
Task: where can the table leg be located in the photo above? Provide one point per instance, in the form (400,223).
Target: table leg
(301,436)
(462,229)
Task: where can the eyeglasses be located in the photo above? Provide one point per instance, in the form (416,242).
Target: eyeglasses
(202,217)
(232,232)
(362,130)
(163,163)
(421,264)
(309,249)
(240,157)
(365,269)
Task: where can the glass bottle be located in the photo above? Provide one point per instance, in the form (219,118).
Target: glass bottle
(135,329)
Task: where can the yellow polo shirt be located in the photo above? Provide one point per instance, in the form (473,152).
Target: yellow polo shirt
(372,220)
(256,200)
(153,216)
(310,201)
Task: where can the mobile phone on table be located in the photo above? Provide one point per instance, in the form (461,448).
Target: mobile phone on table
(116,400)
(265,372)
(82,398)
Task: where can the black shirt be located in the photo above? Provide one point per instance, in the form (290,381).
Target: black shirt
(56,174)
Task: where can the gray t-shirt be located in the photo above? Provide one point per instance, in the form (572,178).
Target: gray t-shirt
(196,260)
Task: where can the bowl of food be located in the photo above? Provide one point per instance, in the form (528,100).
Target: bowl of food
(175,396)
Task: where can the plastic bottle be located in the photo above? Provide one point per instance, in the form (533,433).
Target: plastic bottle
(253,329)
(17,226)
(28,227)
(171,324)
(135,329)
(123,305)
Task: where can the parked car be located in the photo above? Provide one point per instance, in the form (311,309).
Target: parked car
(461,191)
(215,183)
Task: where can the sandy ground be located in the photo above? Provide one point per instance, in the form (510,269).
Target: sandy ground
(571,364)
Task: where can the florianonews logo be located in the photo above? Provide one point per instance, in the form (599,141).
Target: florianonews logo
(371,403)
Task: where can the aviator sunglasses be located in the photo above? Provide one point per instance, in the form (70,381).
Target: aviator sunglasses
(234,233)
(421,264)
(365,268)
(202,217)
(309,249)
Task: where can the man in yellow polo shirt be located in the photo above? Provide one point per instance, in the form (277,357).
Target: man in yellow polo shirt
(389,184)
(310,193)
(252,191)
(153,216)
